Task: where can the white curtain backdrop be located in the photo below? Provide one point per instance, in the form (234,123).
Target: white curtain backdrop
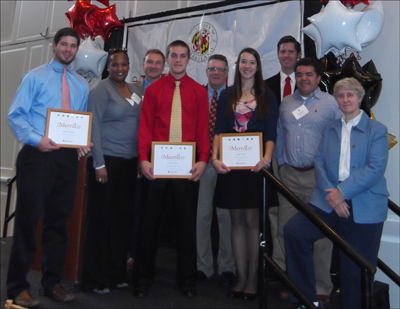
(257,24)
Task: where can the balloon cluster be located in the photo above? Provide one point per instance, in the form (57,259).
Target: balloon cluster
(91,21)
(337,27)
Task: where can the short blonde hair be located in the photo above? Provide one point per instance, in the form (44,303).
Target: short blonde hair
(349,83)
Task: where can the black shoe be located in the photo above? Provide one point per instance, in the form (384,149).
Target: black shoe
(201,276)
(141,291)
(227,278)
(189,291)
(235,294)
(249,296)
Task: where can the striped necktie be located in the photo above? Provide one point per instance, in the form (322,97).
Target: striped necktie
(213,116)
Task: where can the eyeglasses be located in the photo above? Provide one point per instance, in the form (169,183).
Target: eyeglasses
(117,50)
(220,70)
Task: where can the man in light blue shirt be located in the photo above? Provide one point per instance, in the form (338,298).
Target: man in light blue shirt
(302,117)
(46,173)
(217,72)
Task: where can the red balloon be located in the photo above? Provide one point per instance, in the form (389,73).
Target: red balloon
(105,2)
(351,3)
(80,17)
(105,21)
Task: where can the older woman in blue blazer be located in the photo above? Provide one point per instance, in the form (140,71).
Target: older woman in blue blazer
(350,195)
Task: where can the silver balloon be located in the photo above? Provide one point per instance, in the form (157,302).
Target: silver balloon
(90,61)
(371,23)
(337,29)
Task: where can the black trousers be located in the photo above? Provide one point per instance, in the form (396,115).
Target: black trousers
(108,223)
(46,185)
(184,208)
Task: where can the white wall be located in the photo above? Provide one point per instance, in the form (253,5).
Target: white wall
(385,54)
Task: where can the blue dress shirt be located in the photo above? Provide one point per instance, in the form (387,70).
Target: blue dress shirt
(298,140)
(146,83)
(210,92)
(40,89)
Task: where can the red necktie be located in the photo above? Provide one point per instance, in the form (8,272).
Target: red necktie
(65,102)
(213,116)
(288,89)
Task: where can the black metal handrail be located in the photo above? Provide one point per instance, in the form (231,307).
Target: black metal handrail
(7,216)
(393,207)
(367,269)
(388,272)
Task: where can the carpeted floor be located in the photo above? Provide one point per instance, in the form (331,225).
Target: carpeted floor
(163,294)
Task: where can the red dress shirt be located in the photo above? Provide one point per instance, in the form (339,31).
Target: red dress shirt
(156,115)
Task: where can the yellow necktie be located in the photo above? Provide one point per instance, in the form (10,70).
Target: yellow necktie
(175,127)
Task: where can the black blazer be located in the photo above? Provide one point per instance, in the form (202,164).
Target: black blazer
(274,83)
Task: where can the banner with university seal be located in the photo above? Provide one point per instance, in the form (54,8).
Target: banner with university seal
(224,30)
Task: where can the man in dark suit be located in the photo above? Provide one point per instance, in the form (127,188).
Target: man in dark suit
(289,51)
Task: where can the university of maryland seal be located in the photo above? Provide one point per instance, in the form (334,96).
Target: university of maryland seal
(202,41)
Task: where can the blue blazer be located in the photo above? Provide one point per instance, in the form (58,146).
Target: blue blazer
(366,185)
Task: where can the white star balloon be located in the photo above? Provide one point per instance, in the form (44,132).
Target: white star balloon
(371,23)
(337,27)
(313,33)
(90,61)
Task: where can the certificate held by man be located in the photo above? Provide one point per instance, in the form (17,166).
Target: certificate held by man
(173,159)
(67,128)
(241,150)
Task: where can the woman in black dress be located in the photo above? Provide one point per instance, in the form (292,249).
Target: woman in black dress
(247,106)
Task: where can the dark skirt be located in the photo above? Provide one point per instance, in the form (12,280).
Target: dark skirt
(243,189)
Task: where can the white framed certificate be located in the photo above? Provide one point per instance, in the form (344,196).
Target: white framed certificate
(70,129)
(173,159)
(240,150)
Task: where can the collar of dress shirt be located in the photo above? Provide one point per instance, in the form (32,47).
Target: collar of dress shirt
(146,83)
(211,92)
(317,94)
(353,122)
(292,78)
(58,66)
(171,79)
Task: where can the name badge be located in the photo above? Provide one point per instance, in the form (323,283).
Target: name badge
(135,98)
(300,112)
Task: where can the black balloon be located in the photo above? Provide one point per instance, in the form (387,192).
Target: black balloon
(328,64)
(367,75)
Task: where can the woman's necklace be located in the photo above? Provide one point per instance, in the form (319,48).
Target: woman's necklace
(247,91)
